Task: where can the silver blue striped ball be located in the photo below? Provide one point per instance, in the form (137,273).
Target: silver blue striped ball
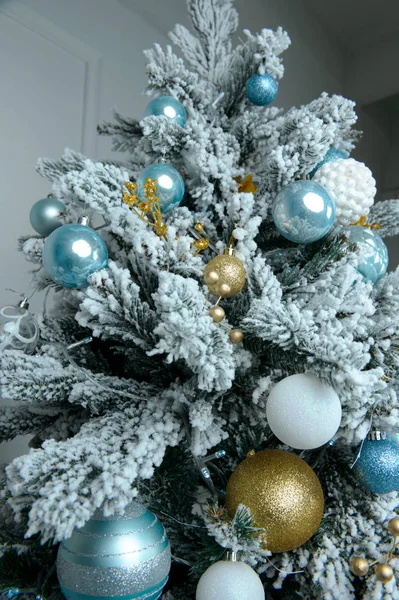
(125,556)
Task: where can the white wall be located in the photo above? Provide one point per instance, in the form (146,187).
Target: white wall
(65,64)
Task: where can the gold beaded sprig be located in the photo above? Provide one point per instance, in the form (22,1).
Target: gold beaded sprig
(382,570)
(362,222)
(246,186)
(201,243)
(146,207)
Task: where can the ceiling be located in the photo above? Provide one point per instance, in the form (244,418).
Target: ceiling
(356,24)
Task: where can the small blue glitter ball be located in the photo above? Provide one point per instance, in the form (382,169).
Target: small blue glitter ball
(261,89)
(378,465)
(11,593)
(331,155)
(170,185)
(374,261)
(169,107)
(126,556)
(44,215)
(303,211)
(73,252)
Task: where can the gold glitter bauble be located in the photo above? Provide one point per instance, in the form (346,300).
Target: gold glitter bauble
(217,313)
(236,336)
(384,573)
(393,526)
(283,494)
(359,566)
(230,271)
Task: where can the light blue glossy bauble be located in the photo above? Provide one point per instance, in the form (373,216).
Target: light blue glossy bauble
(125,556)
(44,215)
(331,155)
(169,107)
(374,261)
(261,89)
(378,465)
(170,185)
(303,211)
(73,252)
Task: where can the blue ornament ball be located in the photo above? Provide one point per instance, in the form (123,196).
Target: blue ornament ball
(73,252)
(170,185)
(44,215)
(261,89)
(126,556)
(303,211)
(374,261)
(169,107)
(331,155)
(377,468)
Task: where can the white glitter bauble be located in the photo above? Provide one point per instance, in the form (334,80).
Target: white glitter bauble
(352,187)
(303,412)
(227,580)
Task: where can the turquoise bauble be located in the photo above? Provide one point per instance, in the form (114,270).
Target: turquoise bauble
(331,155)
(261,89)
(374,261)
(126,556)
(168,106)
(170,185)
(377,468)
(303,212)
(44,215)
(73,252)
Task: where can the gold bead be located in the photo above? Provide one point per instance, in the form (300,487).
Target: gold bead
(284,495)
(384,573)
(230,271)
(393,526)
(359,566)
(211,277)
(199,227)
(223,290)
(217,313)
(236,336)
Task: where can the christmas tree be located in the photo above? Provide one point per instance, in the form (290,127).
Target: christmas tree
(213,381)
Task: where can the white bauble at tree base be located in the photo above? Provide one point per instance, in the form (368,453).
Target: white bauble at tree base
(228,580)
(303,412)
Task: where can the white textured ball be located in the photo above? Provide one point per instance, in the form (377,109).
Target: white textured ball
(303,412)
(352,187)
(227,580)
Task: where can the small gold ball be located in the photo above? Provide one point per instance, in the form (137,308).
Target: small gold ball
(199,227)
(217,313)
(359,566)
(236,336)
(211,277)
(230,271)
(384,573)
(393,526)
(223,290)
